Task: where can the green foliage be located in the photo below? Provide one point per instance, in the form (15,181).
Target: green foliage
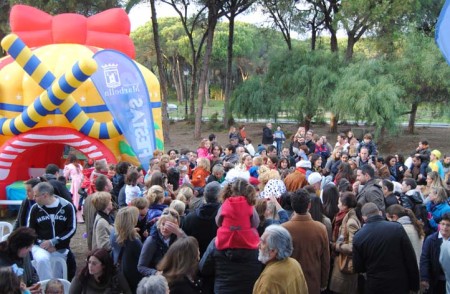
(422,71)
(368,92)
(255,99)
(214,124)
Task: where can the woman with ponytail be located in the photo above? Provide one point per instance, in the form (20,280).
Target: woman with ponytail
(412,226)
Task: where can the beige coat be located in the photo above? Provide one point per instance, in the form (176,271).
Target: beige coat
(311,250)
(340,282)
(100,234)
(413,236)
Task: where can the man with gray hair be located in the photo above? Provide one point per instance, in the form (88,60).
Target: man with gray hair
(156,284)
(201,223)
(383,251)
(282,273)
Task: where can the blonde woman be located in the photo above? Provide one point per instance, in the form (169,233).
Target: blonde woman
(103,222)
(126,245)
(156,245)
(433,181)
(155,197)
(270,183)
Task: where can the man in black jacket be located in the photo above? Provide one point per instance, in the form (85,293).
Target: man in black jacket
(51,175)
(367,189)
(267,137)
(383,251)
(201,222)
(54,220)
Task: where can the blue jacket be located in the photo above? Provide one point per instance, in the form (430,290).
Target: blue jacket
(437,211)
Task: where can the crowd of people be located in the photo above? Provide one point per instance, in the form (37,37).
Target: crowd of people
(290,215)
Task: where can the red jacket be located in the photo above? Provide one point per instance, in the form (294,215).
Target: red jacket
(199,177)
(236,230)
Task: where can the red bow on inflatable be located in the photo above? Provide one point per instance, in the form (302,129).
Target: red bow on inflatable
(109,29)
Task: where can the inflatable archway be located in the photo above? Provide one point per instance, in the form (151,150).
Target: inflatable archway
(50,93)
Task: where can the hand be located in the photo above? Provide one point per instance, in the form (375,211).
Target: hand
(424,285)
(46,244)
(274,200)
(355,186)
(35,289)
(173,228)
(145,234)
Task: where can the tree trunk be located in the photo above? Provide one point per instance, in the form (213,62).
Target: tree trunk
(412,117)
(162,76)
(313,37)
(192,90)
(350,45)
(228,77)
(307,123)
(212,21)
(334,123)
(207,91)
(333,41)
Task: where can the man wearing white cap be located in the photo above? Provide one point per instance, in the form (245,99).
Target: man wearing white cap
(315,180)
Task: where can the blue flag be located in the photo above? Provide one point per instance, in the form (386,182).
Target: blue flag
(122,86)
(443,31)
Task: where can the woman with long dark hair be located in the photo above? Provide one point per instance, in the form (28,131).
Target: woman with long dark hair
(412,226)
(99,276)
(180,265)
(316,211)
(330,199)
(345,225)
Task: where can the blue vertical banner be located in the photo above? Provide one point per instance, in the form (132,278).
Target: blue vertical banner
(121,85)
(442,35)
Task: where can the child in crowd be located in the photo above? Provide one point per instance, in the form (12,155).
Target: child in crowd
(204,150)
(201,172)
(155,197)
(184,178)
(111,171)
(54,286)
(132,189)
(142,204)
(369,144)
(237,219)
(101,168)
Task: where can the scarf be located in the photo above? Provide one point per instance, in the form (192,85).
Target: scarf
(337,222)
(107,217)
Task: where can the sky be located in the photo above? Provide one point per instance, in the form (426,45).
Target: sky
(140,15)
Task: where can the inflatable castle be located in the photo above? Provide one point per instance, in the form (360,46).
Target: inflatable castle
(71,81)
